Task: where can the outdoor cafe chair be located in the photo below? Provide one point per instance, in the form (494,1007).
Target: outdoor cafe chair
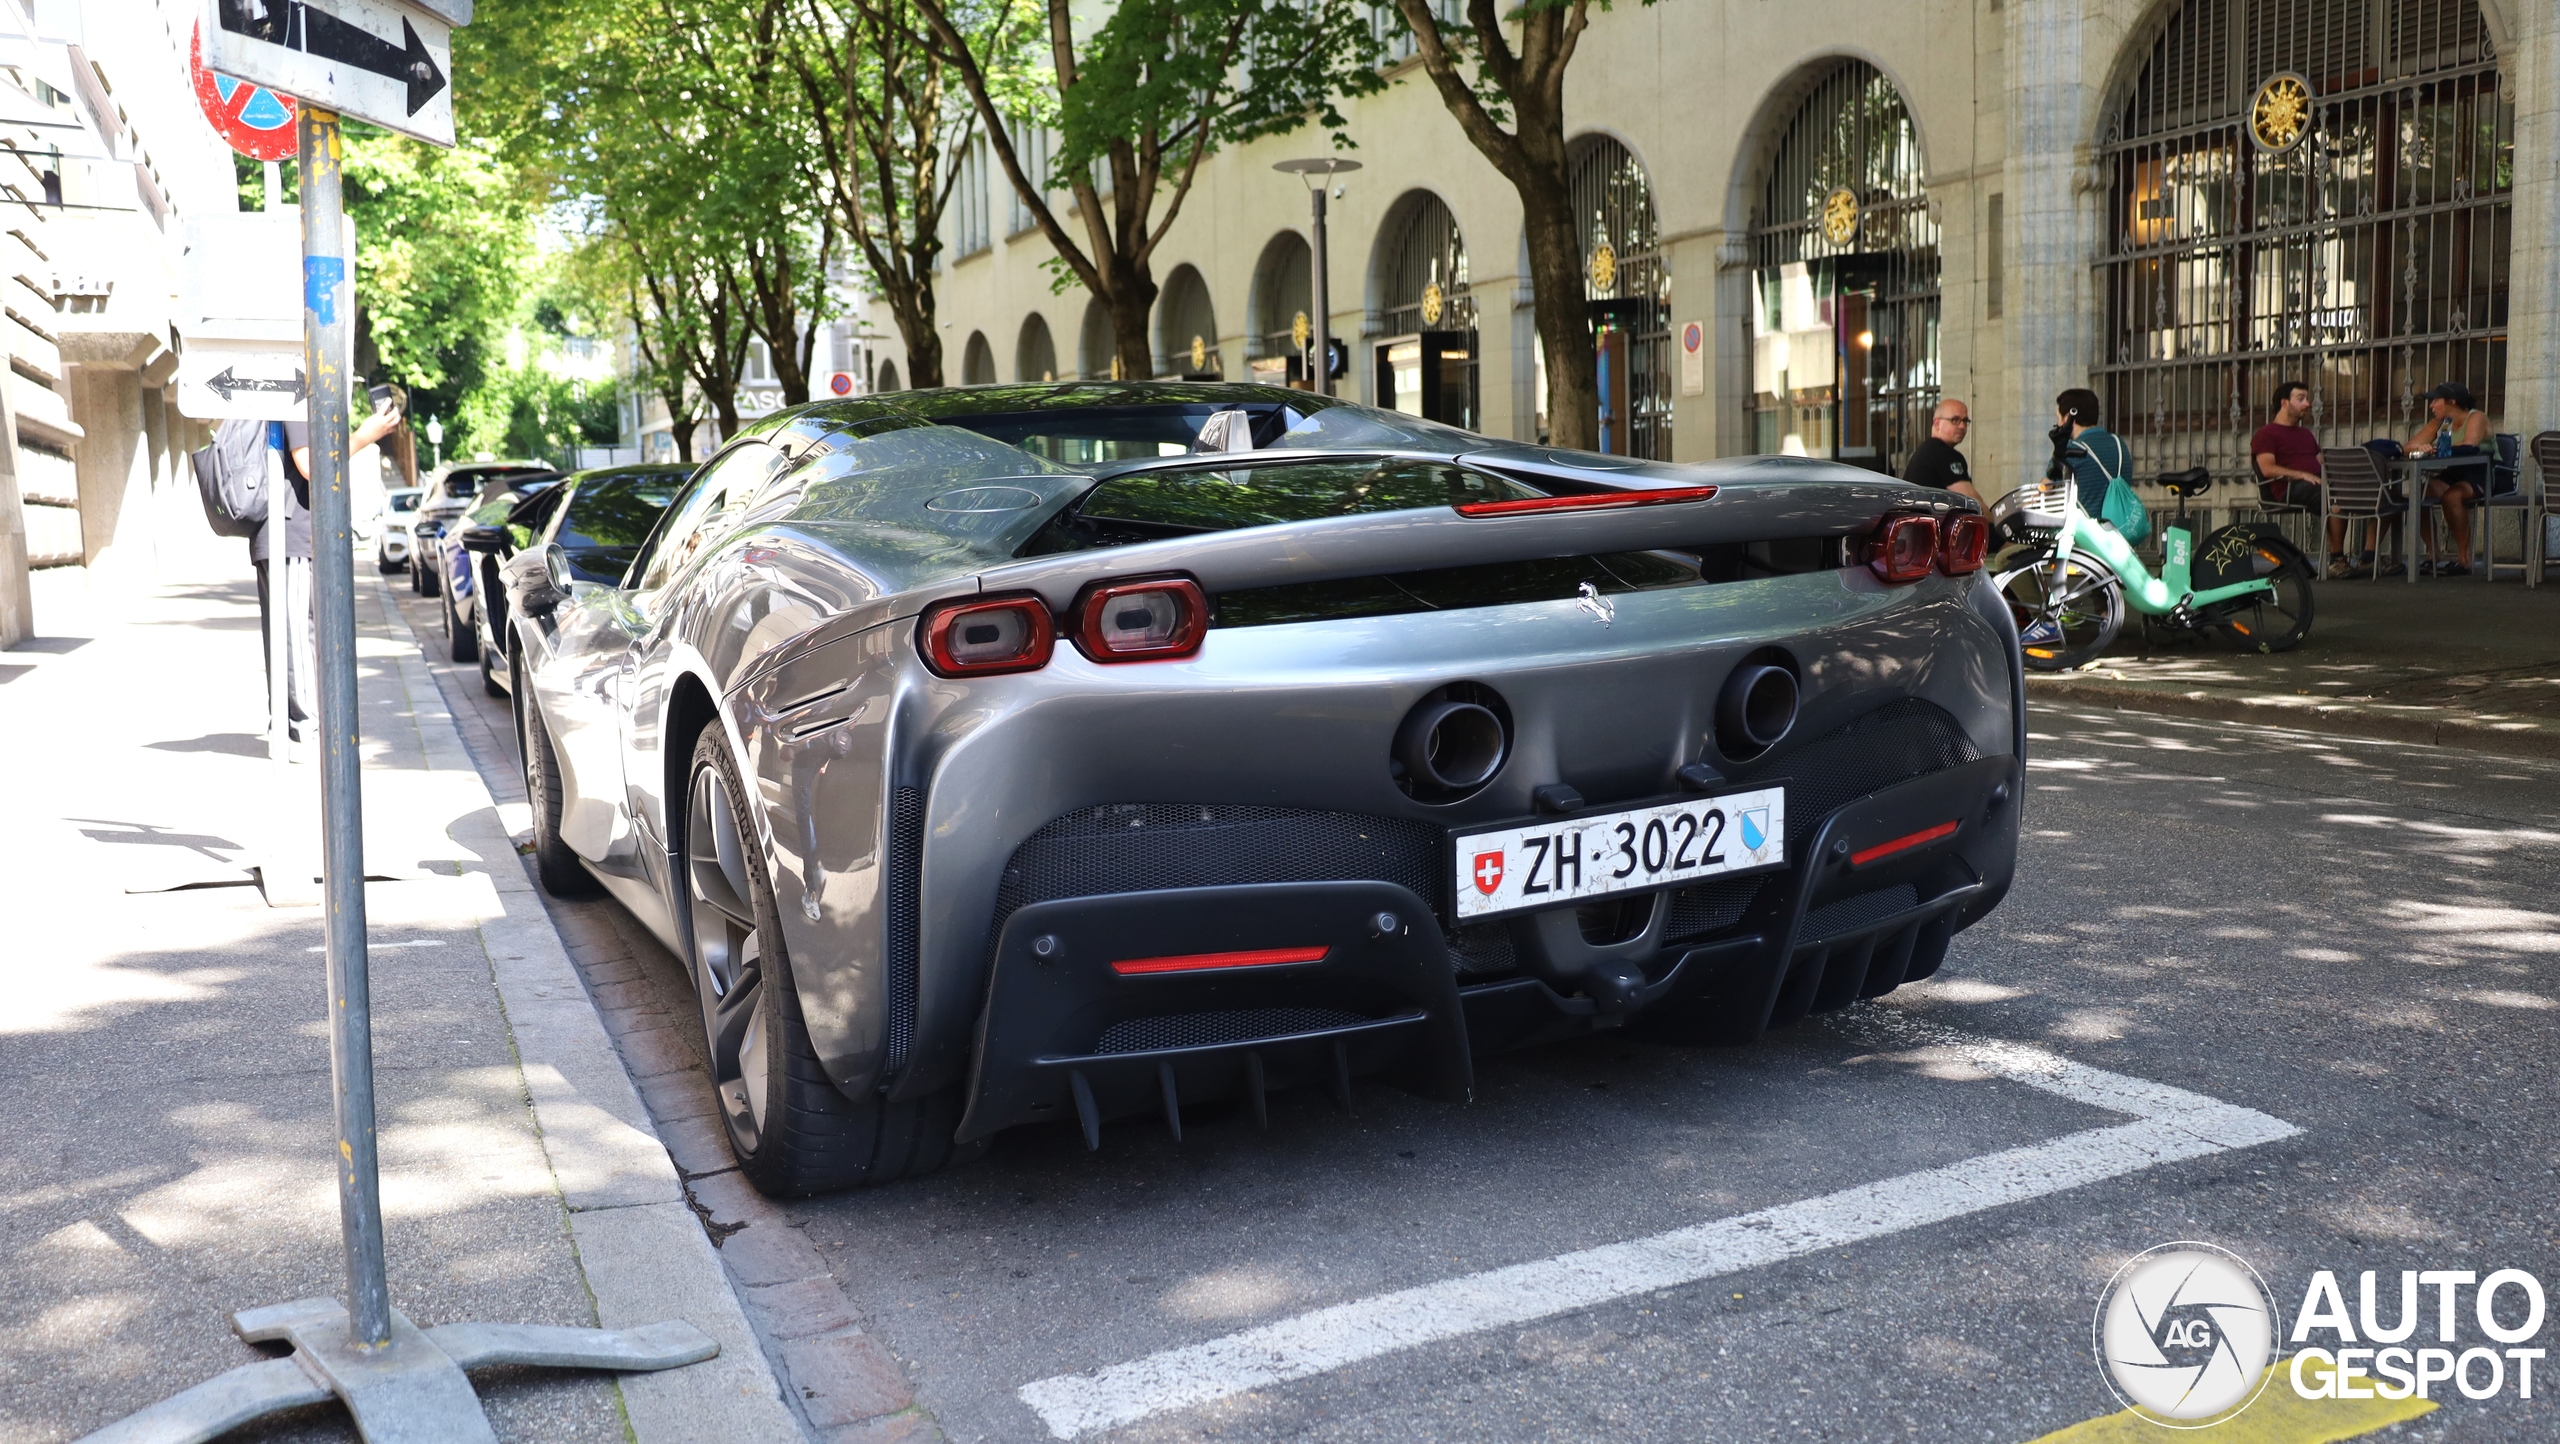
(2353,488)
(2277,511)
(2546,466)
(2507,493)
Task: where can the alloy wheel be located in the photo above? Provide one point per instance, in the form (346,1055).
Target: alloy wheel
(727,957)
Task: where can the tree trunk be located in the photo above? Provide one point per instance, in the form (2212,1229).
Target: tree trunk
(1564,313)
(681,428)
(1133,302)
(924,352)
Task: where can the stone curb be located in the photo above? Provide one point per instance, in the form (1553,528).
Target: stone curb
(639,1242)
(2412,725)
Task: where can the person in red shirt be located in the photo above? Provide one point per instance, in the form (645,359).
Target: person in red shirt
(2288,460)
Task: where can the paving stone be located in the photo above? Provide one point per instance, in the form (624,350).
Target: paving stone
(843,1377)
(732,1199)
(698,1145)
(653,1051)
(768,1250)
(673,1096)
(637,993)
(799,1309)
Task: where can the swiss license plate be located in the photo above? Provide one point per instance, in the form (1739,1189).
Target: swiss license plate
(1513,868)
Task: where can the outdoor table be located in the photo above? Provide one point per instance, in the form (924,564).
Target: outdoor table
(2413,474)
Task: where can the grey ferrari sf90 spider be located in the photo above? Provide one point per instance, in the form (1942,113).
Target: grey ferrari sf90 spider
(1023,754)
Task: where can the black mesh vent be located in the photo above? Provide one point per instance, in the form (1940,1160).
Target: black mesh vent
(1895,743)
(1483,949)
(1140,846)
(1710,906)
(1851,913)
(1243,1025)
(906,866)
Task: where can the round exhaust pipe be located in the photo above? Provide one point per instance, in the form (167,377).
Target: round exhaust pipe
(1449,747)
(1755,709)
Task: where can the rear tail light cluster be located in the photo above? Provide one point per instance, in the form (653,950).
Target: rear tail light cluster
(1147,619)
(1907,548)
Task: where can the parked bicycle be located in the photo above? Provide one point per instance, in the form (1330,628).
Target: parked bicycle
(2069,577)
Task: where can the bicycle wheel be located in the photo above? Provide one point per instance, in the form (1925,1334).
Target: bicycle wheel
(2066,614)
(2276,620)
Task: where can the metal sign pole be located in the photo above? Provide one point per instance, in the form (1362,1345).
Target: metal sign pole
(1323,374)
(326,300)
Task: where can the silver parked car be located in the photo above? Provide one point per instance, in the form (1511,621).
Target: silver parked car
(1021,754)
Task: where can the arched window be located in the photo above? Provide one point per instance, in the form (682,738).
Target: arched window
(1035,356)
(1843,326)
(1283,290)
(1426,365)
(1097,352)
(1629,288)
(2303,190)
(978,361)
(1187,328)
(888,376)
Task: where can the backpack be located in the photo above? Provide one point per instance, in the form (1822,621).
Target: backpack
(231,477)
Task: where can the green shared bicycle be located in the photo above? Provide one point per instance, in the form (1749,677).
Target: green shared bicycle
(2069,577)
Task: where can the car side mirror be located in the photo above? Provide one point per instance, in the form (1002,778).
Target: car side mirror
(484,539)
(556,568)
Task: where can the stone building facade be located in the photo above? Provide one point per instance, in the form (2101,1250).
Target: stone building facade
(1861,208)
(102,152)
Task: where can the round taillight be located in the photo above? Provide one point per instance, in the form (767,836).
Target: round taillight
(1961,542)
(1905,548)
(1142,621)
(984,637)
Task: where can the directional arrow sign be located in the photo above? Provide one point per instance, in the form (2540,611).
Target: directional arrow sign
(226,384)
(386,61)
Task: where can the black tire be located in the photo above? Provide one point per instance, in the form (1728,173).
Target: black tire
(461,643)
(793,1132)
(2277,621)
(2084,609)
(422,576)
(554,863)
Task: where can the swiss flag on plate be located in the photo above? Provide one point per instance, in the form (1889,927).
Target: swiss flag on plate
(1488,872)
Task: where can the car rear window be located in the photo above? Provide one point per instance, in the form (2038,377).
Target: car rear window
(616,511)
(405,503)
(1154,504)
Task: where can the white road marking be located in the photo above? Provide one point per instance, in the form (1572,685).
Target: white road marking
(2171,1124)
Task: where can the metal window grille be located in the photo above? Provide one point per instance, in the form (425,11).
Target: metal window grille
(2367,258)
(1613,203)
(1282,290)
(1843,331)
(1428,251)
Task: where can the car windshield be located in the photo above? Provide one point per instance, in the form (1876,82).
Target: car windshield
(1101,436)
(614,513)
(1165,502)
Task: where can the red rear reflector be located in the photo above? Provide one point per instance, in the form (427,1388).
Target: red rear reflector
(1142,621)
(986,636)
(1585,501)
(1960,544)
(1904,549)
(1202,962)
(1901,844)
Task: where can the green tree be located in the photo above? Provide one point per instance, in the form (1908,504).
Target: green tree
(1138,102)
(1506,67)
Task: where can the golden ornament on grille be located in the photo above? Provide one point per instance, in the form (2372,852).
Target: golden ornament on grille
(2281,115)
(1604,267)
(1433,304)
(1840,216)
(1199,353)
(1301,331)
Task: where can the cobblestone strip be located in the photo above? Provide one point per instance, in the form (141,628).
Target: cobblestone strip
(846,1385)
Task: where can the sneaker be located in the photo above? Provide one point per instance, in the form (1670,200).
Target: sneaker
(2453,569)
(2043,633)
(2340,570)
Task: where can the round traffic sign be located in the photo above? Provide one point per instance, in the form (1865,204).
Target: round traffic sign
(251,119)
(841,383)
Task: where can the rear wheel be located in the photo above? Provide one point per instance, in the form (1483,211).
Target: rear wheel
(2276,620)
(461,643)
(561,874)
(792,1130)
(2067,613)
(422,575)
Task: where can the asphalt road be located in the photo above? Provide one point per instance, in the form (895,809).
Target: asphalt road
(2349,937)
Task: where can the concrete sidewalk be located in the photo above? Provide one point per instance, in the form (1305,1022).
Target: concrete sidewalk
(164,1063)
(2452,662)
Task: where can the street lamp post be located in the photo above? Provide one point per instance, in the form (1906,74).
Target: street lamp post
(435,438)
(1322,169)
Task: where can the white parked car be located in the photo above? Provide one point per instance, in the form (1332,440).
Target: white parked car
(393,545)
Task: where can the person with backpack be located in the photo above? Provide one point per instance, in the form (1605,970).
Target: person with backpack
(2094,455)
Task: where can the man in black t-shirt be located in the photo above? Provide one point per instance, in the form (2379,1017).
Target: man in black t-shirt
(1936,462)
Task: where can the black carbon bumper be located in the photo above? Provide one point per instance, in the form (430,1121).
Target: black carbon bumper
(1869,902)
